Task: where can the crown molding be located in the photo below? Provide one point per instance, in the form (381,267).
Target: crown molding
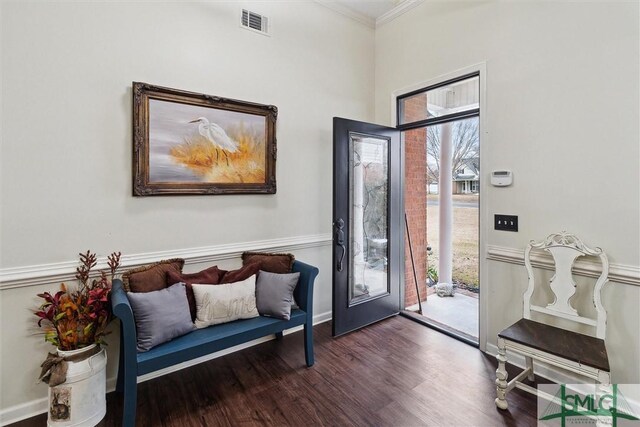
(41,274)
(400,9)
(349,13)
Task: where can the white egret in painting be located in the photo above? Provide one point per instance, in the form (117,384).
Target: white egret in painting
(216,135)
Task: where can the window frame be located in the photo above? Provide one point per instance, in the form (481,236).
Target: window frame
(474,112)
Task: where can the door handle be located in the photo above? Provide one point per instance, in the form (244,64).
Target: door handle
(339,224)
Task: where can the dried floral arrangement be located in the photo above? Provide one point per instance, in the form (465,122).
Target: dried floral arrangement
(76,318)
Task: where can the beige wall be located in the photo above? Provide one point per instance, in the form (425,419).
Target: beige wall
(67,69)
(66,134)
(561,107)
(66,114)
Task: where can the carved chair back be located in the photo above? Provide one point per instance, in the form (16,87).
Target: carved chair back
(565,248)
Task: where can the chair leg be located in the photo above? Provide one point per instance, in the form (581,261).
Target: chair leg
(308,343)
(130,401)
(603,387)
(604,378)
(501,376)
(531,376)
(278,335)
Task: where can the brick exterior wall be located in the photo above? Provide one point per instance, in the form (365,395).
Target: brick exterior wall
(415,200)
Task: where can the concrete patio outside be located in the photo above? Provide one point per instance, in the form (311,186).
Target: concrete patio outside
(458,314)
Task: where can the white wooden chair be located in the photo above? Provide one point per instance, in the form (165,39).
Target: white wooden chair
(581,354)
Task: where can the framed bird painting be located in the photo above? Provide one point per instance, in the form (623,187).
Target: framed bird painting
(191,143)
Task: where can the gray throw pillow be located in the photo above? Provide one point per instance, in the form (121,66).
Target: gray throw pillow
(274,294)
(160,316)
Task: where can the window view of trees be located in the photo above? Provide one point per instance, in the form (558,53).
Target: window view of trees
(465,175)
(466,148)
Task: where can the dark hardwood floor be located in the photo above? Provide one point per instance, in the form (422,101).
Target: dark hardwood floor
(393,373)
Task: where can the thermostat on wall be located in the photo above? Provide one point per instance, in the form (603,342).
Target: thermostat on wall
(501,178)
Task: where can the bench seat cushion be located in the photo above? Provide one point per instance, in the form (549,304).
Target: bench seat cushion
(214,338)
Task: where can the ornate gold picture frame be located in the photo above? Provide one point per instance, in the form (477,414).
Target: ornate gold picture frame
(191,143)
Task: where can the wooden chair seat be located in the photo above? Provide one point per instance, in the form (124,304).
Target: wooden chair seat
(579,348)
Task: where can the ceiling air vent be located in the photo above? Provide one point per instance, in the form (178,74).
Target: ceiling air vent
(254,21)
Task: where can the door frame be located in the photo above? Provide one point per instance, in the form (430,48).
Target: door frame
(484,224)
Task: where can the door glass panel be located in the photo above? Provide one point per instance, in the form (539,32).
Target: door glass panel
(368,231)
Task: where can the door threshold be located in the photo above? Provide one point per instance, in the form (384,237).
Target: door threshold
(423,320)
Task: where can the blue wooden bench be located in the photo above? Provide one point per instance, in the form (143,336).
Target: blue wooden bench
(201,342)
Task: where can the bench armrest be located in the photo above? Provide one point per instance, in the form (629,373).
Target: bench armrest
(122,310)
(304,291)
(120,304)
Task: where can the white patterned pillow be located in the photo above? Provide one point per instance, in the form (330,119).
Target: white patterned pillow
(225,303)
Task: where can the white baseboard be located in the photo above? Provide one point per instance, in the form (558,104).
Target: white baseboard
(35,407)
(20,412)
(550,373)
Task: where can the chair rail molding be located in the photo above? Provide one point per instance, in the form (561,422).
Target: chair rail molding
(619,273)
(41,274)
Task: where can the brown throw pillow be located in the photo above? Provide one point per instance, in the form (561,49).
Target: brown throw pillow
(243,273)
(273,263)
(210,276)
(152,277)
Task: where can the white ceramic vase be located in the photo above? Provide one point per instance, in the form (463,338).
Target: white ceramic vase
(81,399)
